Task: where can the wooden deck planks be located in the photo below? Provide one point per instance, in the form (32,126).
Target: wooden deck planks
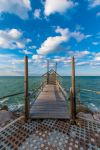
(50,104)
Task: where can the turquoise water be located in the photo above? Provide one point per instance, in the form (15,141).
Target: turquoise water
(9,85)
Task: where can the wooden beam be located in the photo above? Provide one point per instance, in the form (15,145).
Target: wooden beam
(72,93)
(26,89)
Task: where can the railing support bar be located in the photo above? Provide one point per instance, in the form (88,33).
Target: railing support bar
(47,71)
(26,89)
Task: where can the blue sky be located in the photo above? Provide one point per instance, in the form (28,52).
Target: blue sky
(49,29)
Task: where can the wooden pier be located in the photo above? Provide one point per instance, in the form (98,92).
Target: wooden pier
(52,102)
(47,124)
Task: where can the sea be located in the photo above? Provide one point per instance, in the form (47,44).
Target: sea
(87,85)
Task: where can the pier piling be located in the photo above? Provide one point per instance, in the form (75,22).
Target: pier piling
(72,93)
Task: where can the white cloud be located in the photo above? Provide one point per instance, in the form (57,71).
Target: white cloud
(17,61)
(64,32)
(94,3)
(96,54)
(82,63)
(58,59)
(59,6)
(98,14)
(52,43)
(79,54)
(37,14)
(20,45)
(94,60)
(8,67)
(17,7)
(97,58)
(27,52)
(28,40)
(32,47)
(38,58)
(95,43)
(14,33)
(62,59)
(81,58)
(7,57)
(11,39)
(78,36)
(10,58)
(13,66)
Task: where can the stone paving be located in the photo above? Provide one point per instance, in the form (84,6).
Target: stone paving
(51,134)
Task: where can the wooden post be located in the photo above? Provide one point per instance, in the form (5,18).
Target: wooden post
(26,89)
(47,71)
(72,93)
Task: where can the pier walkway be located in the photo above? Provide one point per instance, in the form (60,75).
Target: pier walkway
(46,124)
(50,103)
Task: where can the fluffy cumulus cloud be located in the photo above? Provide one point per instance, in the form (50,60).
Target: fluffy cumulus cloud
(17,7)
(11,39)
(52,43)
(59,6)
(37,13)
(94,3)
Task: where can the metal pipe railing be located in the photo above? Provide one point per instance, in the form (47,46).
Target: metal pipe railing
(19,93)
(87,90)
(10,95)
